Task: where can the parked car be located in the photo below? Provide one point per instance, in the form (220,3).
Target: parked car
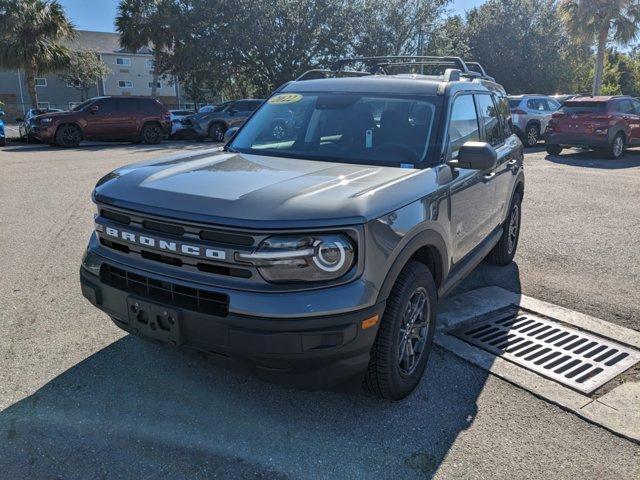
(609,124)
(3,138)
(25,124)
(176,120)
(530,114)
(105,118)
(319,259)
(215,123)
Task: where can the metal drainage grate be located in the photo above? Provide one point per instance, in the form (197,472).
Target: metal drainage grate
(572,357)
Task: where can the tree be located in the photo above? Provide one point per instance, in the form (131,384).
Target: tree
(595,21)
(522,43)
(147,23)
(31,36)
(84,71)
(395,27)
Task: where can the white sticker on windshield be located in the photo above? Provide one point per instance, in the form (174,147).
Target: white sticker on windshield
(368,138)
(407,165)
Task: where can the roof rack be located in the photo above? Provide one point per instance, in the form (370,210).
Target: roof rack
(379,66)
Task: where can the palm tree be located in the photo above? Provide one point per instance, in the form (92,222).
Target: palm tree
(598,21)
(146,22)
(31,32)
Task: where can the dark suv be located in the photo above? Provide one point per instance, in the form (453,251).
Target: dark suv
(319,257)
(609,124)
(213,124)
(105,118)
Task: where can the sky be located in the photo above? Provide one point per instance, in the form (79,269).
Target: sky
(98,15)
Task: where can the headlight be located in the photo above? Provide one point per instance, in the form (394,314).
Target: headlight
(46,120)
(308,258)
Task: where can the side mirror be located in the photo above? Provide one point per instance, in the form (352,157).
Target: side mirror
(94,108)
(228,135)
(476,156)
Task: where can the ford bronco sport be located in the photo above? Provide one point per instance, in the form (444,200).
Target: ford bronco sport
(317,258)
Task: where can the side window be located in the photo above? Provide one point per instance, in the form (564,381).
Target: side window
(624,106)
(636,106)
(504,113)
(490,119)
(463,125)
(553,105)
(107,106)
(536,104)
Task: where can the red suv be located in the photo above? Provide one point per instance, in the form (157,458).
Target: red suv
(137,119)
(607,123)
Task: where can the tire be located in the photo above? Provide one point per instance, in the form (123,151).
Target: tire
(531,135)
(504,251)
(216,132)
(389,375)
(151,134)
(616,148)
(68,136)
(554,149)
(3,142)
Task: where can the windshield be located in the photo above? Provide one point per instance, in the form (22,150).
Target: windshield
(79,107)
(341,127)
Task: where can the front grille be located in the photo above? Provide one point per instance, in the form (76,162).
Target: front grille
(194,299)
(161,226)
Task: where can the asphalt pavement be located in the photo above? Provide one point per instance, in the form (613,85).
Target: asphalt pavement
(80,399)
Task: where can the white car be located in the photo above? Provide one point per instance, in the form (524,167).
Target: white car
(176,119)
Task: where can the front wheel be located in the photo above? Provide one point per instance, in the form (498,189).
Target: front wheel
(504,251)
(216,132)
(68,136)
(405,338)
(616,148)
(151,134)
(554,149)
(532,135)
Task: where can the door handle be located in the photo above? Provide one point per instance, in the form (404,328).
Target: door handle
(512,165)
(488,176)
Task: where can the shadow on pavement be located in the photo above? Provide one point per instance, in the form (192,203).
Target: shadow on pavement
(136,408)
(591,159)
(18,147)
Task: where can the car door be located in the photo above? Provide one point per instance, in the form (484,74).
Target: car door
(101,119)
(472,192)
(126,117)
(497,133)
(536,110)
(630,111)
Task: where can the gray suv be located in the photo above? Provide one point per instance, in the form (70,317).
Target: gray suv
(530,115)
(214,123)
(318,258)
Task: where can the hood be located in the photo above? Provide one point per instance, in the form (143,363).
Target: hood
(53,115)
(262,191)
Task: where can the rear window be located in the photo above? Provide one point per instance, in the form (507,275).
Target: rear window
(573,108)
(513,103)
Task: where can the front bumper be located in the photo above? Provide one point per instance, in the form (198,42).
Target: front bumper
(322,351)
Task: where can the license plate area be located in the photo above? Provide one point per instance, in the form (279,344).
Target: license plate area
(154,320)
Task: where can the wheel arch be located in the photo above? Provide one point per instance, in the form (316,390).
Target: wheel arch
(427,247)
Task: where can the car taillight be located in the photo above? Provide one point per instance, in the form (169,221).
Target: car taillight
(517,111)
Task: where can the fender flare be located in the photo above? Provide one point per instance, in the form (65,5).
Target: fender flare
(424,238)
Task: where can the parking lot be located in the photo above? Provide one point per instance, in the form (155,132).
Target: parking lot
(80,399)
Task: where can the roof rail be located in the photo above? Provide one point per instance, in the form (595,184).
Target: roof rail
(320,73)
(381,68)
(457,61)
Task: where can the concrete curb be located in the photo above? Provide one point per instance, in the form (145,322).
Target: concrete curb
(618,410)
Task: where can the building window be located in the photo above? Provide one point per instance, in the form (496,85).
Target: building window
(125,84)
(41,82)
(158,85)
(151,64)
(125,62)
(73,84)
(44,105)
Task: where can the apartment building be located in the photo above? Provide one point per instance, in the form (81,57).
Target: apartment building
(131,74)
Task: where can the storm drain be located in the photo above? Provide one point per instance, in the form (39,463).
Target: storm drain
(579,360)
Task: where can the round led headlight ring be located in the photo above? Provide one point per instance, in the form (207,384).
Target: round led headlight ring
(330,256)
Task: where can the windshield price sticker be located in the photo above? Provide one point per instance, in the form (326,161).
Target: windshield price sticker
(285,98)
